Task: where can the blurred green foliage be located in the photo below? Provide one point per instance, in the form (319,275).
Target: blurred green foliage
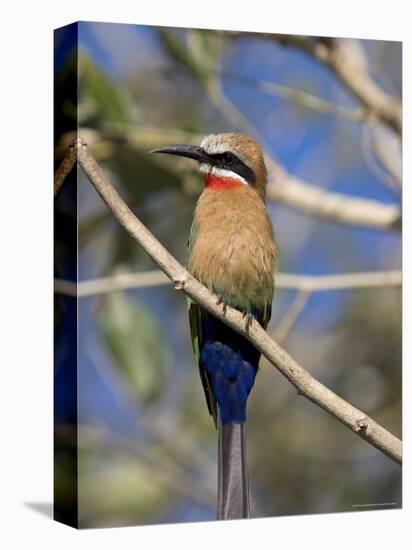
(135,343)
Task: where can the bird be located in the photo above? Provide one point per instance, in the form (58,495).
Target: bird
(231,251)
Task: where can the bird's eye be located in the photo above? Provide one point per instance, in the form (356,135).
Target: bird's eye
(228,158)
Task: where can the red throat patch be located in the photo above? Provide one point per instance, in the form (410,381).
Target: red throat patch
(220,182)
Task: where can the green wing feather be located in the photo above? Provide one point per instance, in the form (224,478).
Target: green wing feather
(267,314)
(195,331)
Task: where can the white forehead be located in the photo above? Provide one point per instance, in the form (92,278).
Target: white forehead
(215,144)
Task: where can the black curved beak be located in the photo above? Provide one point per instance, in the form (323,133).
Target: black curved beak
(191,151)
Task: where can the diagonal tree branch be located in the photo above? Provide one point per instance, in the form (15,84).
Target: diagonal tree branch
(307,385)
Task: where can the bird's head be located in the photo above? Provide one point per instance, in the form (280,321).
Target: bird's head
(226,161)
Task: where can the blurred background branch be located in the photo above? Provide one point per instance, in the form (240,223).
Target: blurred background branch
(381,149)
(334,207)
(300,97)
(284,187)
(154,465)
(331,53)
(288,281)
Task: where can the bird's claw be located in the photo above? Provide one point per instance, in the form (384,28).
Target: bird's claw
(224,306)
(249,320)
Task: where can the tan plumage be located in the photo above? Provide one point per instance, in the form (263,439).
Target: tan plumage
(234,253)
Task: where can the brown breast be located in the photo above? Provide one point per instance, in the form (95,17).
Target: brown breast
(233,252)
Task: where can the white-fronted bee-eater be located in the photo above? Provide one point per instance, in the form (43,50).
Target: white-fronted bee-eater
(232,252)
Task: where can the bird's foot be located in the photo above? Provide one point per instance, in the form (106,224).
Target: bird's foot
(249,320)
(222,302)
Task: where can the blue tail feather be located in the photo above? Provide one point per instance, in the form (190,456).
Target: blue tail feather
(231,378)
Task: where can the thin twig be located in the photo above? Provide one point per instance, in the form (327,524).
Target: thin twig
(299,97)
(103,285)
(307,385)
(284,281)
(389,154)
(318,283)
(292,314)
(368,150)
(353,75)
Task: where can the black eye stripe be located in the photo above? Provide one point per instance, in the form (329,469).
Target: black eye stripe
(231,161)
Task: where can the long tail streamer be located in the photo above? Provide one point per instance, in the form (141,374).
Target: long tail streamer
(233,479)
